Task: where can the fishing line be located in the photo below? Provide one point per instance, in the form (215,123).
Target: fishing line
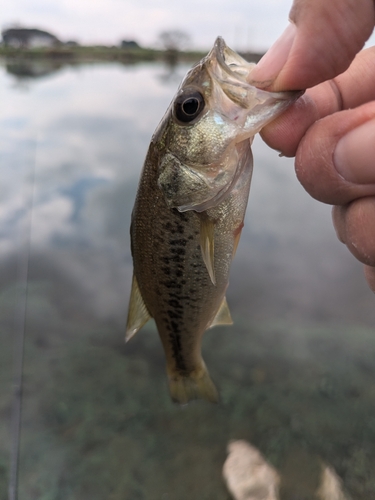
(22,273)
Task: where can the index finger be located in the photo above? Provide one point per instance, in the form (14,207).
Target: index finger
(349,90)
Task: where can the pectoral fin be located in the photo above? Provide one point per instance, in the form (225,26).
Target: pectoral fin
(137,314)
(207,241)
(237,236)
(223,316)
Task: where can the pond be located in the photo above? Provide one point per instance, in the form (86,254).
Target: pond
(296,371)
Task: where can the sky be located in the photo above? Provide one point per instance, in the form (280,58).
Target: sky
(245,24)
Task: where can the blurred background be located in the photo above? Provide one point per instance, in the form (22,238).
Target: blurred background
(242,23)
(83,86)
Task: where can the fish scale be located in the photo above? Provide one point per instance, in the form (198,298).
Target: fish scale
(189,211)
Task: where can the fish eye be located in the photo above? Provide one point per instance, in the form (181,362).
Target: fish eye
(188,106)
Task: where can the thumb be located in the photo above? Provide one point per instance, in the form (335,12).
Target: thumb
(320,43)
(334,160)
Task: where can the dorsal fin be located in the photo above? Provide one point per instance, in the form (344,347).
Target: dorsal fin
(207,241)
(223,316)
(137,314)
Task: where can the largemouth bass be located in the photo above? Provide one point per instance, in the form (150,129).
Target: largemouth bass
(189,211)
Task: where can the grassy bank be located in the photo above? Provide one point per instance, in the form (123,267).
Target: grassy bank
(97,53)
(103,53)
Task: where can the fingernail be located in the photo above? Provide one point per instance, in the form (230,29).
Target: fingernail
(354,154)
(275,58)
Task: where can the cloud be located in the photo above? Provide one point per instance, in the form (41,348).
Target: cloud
(253,25)
(109,21)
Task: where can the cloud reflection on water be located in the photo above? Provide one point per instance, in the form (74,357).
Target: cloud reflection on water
(85,132)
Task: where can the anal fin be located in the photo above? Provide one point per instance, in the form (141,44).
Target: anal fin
(223,316)
(138,314)
(207,241)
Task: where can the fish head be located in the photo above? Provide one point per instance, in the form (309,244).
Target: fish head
(215,110)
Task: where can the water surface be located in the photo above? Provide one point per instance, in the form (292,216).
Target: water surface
(296,371)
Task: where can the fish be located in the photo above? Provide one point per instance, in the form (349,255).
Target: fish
(189,211)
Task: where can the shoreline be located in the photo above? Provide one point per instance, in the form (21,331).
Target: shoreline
(103,53)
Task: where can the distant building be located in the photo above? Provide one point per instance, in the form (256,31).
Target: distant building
(71,43)
(129,44)
(28,38)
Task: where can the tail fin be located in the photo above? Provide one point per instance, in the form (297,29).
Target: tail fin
(195,385)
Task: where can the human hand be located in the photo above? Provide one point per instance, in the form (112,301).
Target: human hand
(331,128)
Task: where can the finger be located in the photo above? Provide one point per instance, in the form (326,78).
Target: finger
(338,218)
(320,43)
(370,277)
(349,90)
(335,159)
(355,225)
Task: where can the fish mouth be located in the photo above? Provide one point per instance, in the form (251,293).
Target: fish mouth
(226,65)
(230,62)
(233,73)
